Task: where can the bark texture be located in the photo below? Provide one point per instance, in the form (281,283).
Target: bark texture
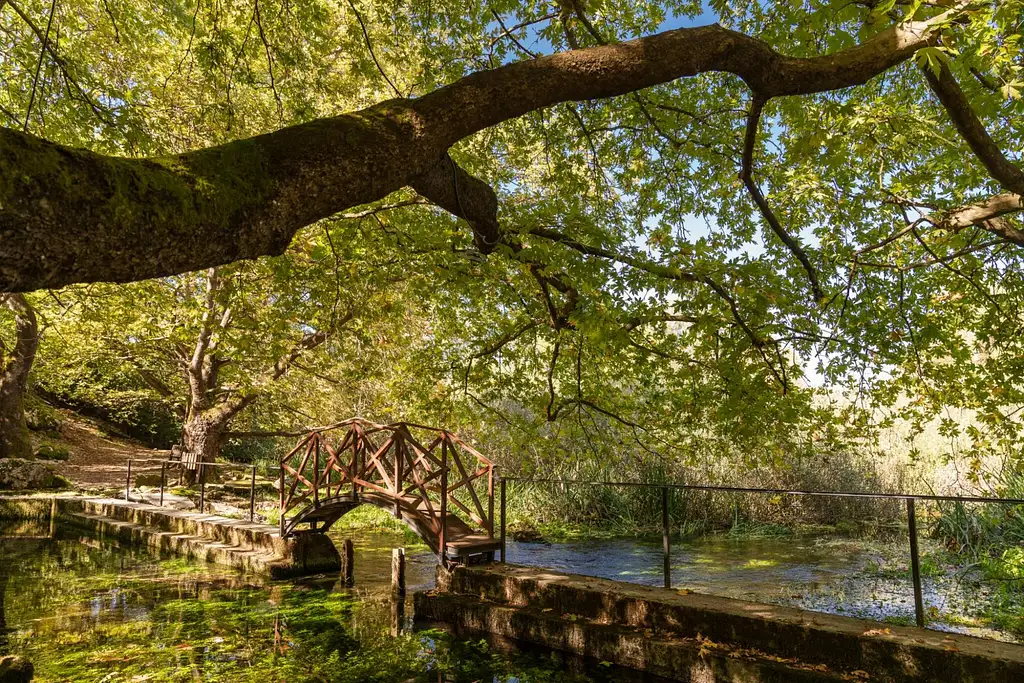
(70,215)
(15,364)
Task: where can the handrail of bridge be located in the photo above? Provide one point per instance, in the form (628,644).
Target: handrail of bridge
(909,498)
(421,476)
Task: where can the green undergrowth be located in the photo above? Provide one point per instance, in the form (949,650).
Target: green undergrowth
(374,520)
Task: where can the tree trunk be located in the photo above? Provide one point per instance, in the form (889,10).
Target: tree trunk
(14,437)
(203,434)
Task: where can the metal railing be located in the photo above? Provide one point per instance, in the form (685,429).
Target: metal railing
(909,498)
(200,468)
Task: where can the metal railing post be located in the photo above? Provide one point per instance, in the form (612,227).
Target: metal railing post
(915,563)
(252,496)
(501,485)
(128,480)
(163,481)
(202,487)
(665,546)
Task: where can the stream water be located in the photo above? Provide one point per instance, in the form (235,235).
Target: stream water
(855,577)
(83,611)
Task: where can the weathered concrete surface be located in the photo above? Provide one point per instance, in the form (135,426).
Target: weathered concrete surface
(15,670)
(29,508)
(654,629)
(256,548)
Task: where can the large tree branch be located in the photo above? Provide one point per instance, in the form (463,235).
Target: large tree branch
(70,215)
(990,214)
(466,196)
(972,130)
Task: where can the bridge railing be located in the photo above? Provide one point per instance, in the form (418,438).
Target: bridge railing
(908,498)
(419,471)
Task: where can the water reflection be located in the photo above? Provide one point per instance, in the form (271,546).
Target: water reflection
(86,611)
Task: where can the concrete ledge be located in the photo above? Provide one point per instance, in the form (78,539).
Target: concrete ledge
(839,644)
(27,508)
(683,659)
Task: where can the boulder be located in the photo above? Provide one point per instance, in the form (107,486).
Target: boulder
(528,535)
(52,451)
(148,479)
(14,669)
(23,475)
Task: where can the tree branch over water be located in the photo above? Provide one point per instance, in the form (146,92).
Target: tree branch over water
(70,215)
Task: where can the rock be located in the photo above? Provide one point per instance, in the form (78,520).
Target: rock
(14,669)
(171,500)
(529,536)
(148,479)
(51,451)
(42,417)
(21,475)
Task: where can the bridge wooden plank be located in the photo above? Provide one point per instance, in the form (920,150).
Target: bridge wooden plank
(297,476)
(376,463)
(469,485)
(434,517)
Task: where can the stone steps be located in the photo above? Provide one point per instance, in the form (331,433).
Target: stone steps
(180,544)
(252,547)
(235,532)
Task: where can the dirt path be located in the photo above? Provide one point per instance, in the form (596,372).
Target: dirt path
(97,461)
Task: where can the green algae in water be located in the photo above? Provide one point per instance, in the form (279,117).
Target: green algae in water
(84,612)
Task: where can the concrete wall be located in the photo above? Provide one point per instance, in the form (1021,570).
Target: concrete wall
(662,631)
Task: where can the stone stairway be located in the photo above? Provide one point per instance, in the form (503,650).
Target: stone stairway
(252,547)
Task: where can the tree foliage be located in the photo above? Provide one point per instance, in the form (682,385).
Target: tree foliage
(757,238)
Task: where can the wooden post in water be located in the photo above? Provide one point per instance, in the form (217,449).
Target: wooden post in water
(280,508)
(664,537)
(915,563)
(53,520)
(442,543)
(398,572)
(347,563)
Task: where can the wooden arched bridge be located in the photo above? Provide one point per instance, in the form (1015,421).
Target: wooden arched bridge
(440,486)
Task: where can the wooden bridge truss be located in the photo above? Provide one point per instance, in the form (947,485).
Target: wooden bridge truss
(435,482)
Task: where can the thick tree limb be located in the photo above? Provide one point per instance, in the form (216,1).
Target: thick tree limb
(989,214)
(69,215)
(463,195)
(971,129)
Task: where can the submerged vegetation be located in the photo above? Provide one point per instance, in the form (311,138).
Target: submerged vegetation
(82,613)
